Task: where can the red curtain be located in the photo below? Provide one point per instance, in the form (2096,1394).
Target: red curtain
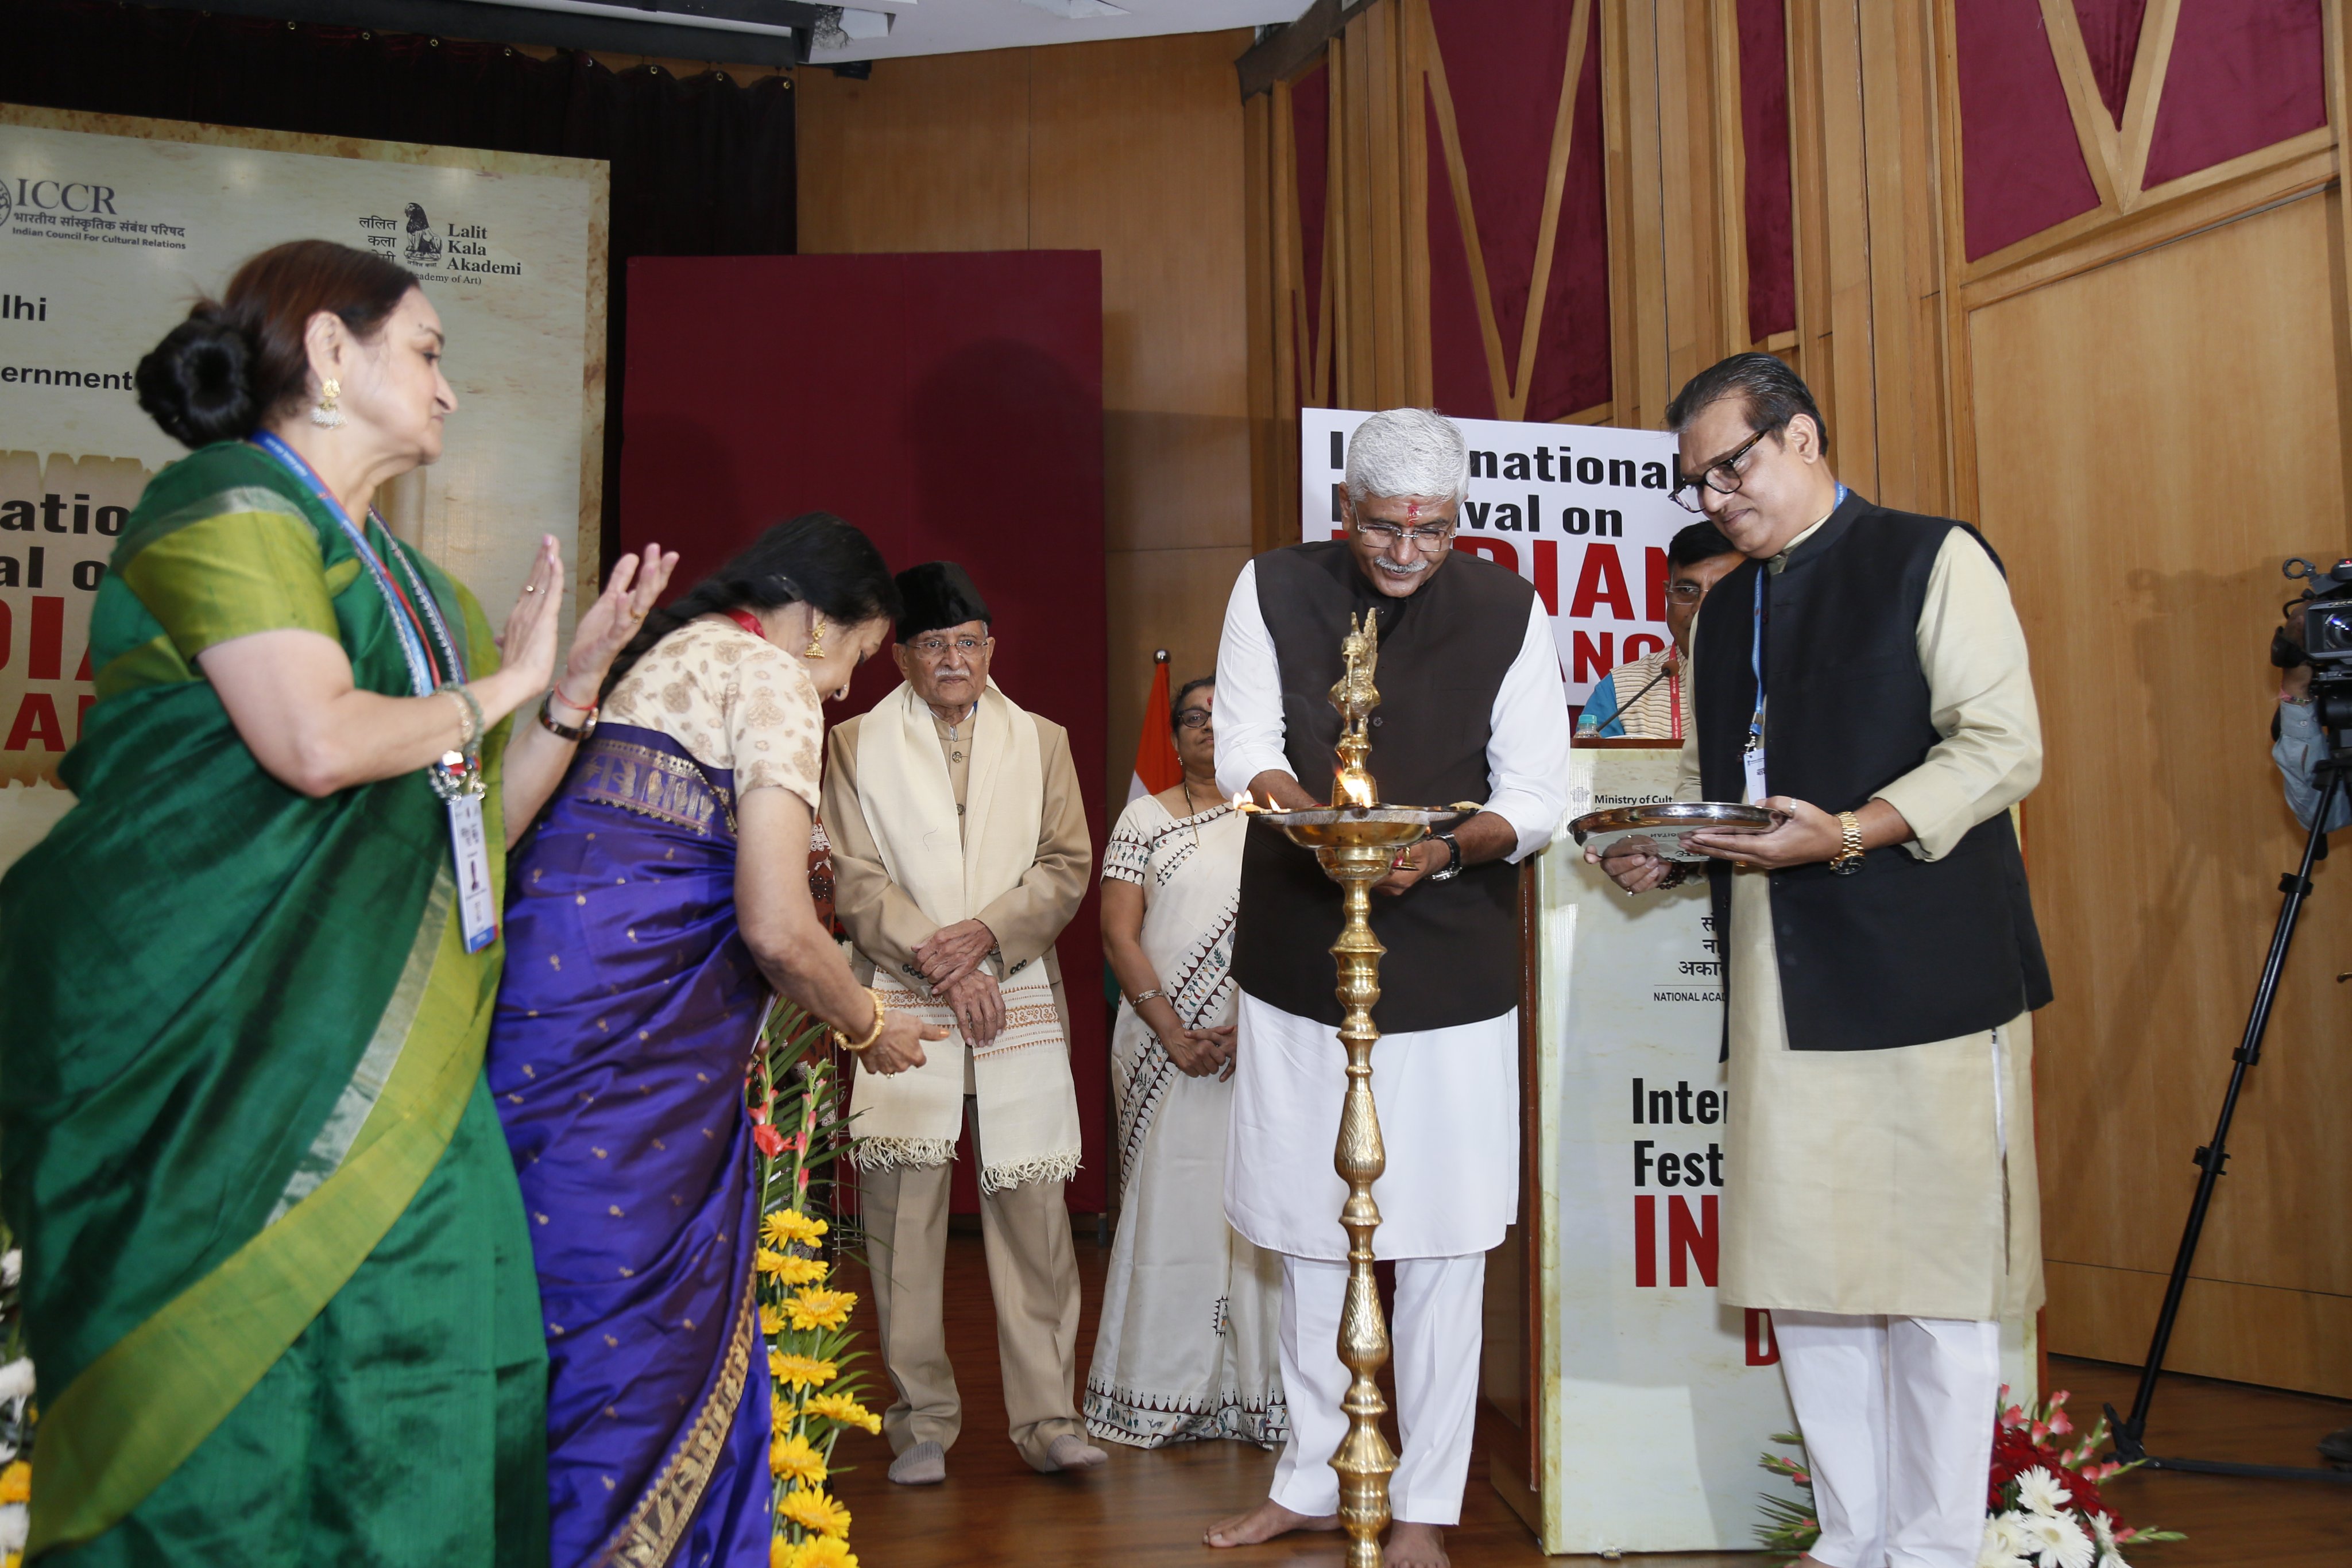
(951,406)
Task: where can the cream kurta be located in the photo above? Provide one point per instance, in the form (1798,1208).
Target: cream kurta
(888,926)
(1874,1181)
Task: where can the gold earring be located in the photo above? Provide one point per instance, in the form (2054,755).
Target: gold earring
(327,415)
(815,649)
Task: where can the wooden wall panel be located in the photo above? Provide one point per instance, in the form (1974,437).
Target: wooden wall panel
(2152,438)
(930,155)
(1133,148)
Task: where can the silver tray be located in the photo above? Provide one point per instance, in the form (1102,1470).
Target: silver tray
(1665,823)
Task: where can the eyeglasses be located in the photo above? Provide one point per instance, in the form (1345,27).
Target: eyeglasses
(937,647)
(1193,718)
(1385,534)
(1722,476)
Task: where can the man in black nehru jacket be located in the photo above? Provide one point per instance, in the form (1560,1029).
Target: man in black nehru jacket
(1863,670)
(1471,709)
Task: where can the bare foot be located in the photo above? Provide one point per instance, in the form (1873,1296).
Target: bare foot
(1415,1546)
(1263,1523)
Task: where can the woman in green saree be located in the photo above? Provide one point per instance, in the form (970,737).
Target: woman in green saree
(277,1278)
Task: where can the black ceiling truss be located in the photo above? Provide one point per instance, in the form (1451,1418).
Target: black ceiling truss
(495,22)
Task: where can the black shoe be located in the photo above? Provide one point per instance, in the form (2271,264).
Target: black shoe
(2336,1449)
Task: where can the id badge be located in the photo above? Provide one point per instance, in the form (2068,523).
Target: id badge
(477,904)
(1751,758)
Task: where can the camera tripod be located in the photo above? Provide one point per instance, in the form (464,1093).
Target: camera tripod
(2130,1433)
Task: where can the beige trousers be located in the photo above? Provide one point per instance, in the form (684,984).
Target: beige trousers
(1033,1275)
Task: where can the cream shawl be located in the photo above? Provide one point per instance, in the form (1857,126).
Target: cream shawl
(953,870)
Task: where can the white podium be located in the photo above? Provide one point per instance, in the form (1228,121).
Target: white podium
(1633,1406)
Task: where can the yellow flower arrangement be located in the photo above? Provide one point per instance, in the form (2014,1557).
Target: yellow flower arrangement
(824,1552)
(783,1227)
(817,1309)
(813,1510)
(771,1321)
(841,1407)
(801,1272)
(17,1483)
(800,1370)
(793,1458)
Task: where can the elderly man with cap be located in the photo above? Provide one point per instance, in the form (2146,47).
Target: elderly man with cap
(1472,709)
(960,852)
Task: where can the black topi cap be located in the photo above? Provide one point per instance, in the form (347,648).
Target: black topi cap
(937,594)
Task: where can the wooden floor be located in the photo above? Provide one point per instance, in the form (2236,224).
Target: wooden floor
(1148,1510)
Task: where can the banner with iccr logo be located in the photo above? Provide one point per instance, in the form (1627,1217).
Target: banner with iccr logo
(111,227)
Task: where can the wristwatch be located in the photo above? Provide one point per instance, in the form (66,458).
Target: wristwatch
(1452,859)
(1848,859)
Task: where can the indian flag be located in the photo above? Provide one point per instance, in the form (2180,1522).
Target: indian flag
(1156,767)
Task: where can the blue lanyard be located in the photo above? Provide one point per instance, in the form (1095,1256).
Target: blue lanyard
(421,676)
(1755,645)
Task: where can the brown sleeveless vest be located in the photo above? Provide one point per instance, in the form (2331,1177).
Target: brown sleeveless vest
(1452,946)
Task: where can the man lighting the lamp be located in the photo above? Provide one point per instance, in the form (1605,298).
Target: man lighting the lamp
(1471,708)
(1863,670)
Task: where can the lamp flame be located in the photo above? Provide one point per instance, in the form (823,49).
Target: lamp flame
(1356,788)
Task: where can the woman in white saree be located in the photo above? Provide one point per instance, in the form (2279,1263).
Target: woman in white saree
(1186,1349)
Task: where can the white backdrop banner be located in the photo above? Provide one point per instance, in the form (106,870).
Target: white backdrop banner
(1580,510)
(107,239)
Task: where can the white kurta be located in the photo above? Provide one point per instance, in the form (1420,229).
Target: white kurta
(1894,1182)
(1448,1098)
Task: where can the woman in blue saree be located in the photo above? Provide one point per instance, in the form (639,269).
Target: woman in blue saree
(653,908)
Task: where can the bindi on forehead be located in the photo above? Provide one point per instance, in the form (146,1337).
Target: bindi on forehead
(1412,511)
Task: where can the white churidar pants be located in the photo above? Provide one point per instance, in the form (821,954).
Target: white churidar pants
(1897,1416)
(1436,1336)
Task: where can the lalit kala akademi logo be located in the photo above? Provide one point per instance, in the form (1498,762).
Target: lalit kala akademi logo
(461,248)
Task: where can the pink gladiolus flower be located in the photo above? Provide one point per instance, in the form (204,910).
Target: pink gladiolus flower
(771,1141)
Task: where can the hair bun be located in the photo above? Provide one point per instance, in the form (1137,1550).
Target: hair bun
(197,384)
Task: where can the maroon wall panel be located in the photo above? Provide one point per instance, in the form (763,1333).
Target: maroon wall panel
(2245,74)
(1458,354)
(2021,168)
(1310,131)
(1764,137)
(1504,61)
(949,405)
(2110,31)
(1572,352)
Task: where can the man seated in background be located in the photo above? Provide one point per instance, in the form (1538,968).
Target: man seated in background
(1648,698)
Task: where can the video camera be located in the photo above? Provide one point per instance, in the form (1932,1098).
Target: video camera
(2327,646)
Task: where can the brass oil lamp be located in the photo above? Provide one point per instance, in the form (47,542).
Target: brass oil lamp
(1357,839)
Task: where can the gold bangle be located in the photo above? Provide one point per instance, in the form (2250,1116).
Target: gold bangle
(841,1037)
